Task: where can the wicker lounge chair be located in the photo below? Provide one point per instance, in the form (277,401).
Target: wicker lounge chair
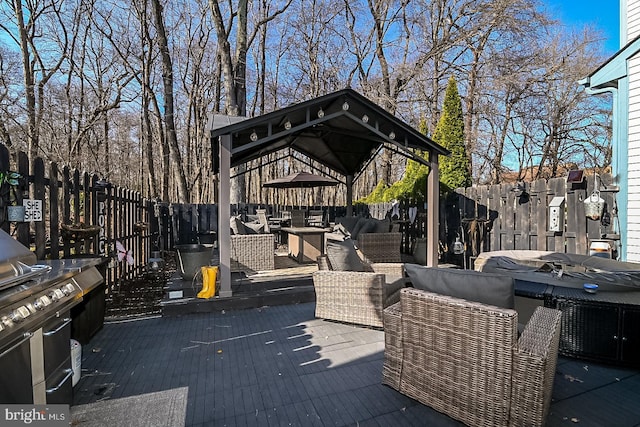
(464,358)
(251,253)
(357,296)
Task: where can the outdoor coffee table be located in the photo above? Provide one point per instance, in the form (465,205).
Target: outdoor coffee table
(305,243)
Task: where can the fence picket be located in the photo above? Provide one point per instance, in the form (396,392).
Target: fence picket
(22,192)
(54,211)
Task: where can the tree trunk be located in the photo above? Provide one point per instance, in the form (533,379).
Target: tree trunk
(169,122)
(230,73)
(378,12)
(29,83)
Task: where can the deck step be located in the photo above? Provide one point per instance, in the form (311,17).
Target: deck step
(247,292)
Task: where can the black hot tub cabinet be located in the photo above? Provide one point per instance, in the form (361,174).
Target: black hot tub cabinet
(602,326)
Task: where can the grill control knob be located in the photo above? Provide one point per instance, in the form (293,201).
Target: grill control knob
(56,295)
(19,314)
(5,321)
(42,302)
(68,289)
(31,307)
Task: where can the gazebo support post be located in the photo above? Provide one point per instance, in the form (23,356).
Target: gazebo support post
(349,182)
(433,210)
(224,216)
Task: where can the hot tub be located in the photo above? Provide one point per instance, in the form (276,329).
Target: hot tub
(602,326)
(559,269)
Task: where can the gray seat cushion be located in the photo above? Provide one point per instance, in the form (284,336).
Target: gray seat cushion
(343,256)
(253,228)
(349,222)
(381,225)
(362,226)
(370,225)
(486,288)
(236,225)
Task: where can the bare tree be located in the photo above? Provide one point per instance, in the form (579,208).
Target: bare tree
(8,74)
(132,49)
(169,116)
(494,26)
(32,20)
(139,79)
(569,111)
(234,67)
(197,67)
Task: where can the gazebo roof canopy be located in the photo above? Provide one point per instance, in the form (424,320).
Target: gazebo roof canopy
(342,130)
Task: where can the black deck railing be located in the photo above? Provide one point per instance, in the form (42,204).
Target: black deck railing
(75,214)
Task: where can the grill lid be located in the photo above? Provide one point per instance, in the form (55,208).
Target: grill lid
(15,260)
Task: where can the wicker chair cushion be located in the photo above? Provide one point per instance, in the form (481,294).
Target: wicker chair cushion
(253,228)
(364,225)
(381,225)
(237,226)
(349,222)
(486,288)
(343,256)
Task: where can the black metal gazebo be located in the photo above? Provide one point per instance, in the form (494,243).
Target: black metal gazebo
(343,131)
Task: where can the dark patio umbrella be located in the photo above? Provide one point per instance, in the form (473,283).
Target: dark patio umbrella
(301,180)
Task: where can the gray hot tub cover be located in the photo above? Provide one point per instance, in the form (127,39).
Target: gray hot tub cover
(560,269)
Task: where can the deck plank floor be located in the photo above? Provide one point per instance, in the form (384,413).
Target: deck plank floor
(280,366)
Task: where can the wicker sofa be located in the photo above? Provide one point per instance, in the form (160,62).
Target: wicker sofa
(375,239)
(465,359)
(357,296)
(380,247)
(251,253)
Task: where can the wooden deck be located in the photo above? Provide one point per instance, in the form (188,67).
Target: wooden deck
(289,283)
(279,365)
(262,358)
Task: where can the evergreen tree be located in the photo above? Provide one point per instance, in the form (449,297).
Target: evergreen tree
(449,132)
(454,170)
(414,182)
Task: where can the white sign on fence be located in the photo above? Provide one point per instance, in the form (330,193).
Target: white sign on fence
(32,210)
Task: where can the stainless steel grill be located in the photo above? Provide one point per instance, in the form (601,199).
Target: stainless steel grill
(35,322)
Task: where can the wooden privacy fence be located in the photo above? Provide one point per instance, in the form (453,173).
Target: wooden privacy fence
(483,218)
(508,216)
(80,215)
